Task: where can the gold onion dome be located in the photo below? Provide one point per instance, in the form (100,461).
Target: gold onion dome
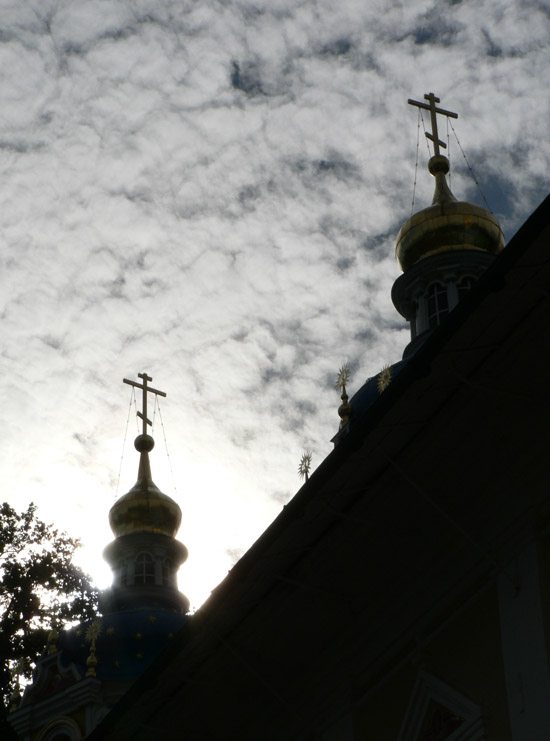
(145,508)
(446,225)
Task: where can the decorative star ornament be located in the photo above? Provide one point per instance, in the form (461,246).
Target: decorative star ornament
(305,465)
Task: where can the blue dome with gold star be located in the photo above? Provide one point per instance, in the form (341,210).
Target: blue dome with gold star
(127,642)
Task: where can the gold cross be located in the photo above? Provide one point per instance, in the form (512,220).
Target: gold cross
(145,388)
(433,110)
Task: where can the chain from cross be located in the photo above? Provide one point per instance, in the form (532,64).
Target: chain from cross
(146,389)
(434,136)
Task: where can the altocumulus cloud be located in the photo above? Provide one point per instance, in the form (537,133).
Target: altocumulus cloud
(211,192)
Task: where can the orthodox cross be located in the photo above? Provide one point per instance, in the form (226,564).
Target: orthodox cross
(433,110)
(146,389)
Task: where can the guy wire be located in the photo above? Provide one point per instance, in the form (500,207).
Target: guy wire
(449,150)
(157,404)
(137,423)
(416,163)
(132,398)
(472,173)
(425,134)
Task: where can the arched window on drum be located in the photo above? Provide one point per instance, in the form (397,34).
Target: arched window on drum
(167,576)
(464,285)
(122,572)
(438,304)
(145,569)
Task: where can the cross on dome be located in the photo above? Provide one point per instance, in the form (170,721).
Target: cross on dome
(146,389)
(434,136)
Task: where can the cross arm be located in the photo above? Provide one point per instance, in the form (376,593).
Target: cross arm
(428,107)
(140,386)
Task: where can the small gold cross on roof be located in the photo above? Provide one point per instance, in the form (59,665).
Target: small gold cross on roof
(146,389)
(434,137)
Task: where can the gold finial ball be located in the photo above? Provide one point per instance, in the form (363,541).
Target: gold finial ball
(144,443)
(438,163)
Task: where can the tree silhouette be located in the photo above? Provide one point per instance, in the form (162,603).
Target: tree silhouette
(40,587)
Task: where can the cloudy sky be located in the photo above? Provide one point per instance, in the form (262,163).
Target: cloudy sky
(210,192)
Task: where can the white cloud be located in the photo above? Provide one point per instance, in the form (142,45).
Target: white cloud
(211,192)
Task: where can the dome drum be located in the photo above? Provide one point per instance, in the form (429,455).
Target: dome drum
(131,597)
(145,567)
(126,546)
(447,267)
(447,274)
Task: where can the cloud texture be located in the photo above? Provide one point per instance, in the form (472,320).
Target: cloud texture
(211,192)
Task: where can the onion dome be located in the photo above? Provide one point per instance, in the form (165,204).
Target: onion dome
(145,509)
(446,225)
(125,644)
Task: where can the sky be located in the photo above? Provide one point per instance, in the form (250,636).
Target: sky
(210,192)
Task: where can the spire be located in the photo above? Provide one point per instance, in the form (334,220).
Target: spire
(438,165)
(145,554)
(442,249)
(345,409)
(448,224)
(145,508)
(92,633)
